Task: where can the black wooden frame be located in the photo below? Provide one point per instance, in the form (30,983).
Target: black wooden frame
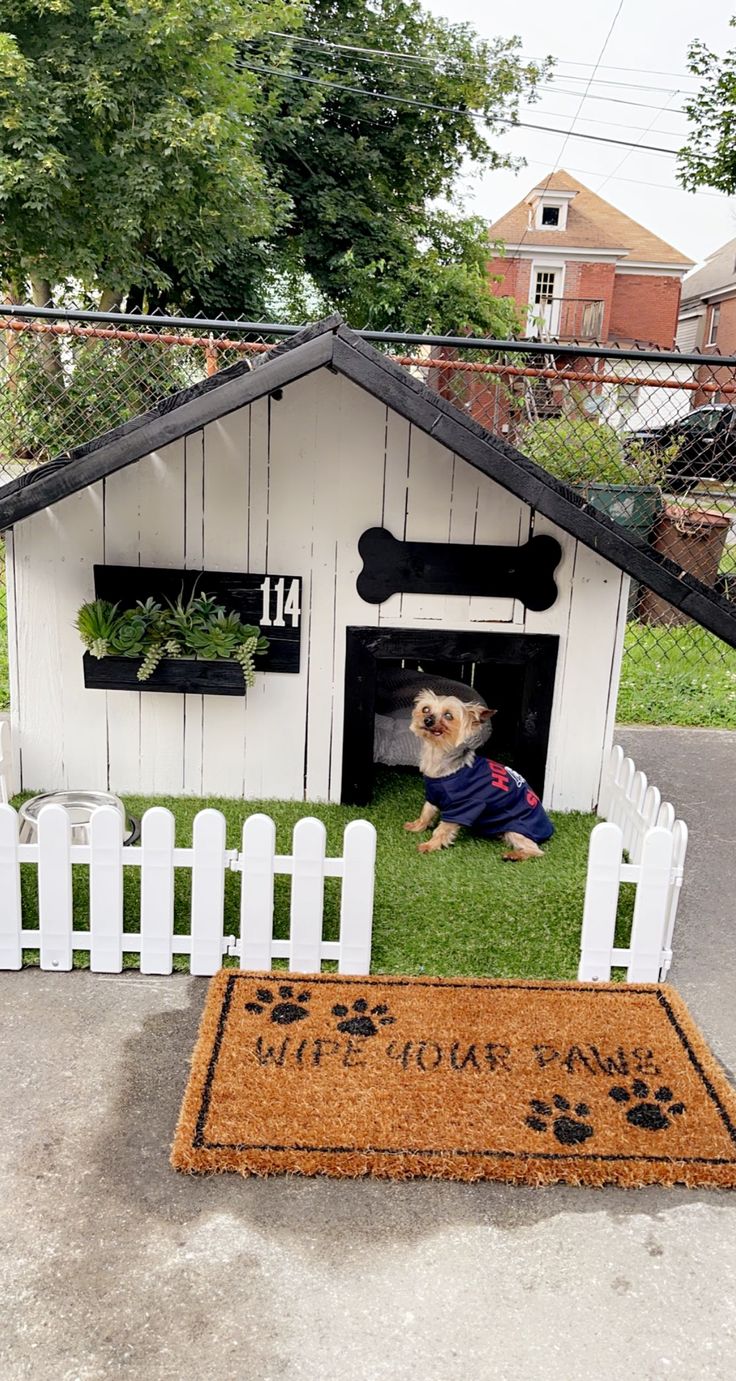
(173,675)
(365,647)
(238,590)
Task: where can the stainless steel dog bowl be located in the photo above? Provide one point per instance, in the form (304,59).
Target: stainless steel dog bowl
(79,806)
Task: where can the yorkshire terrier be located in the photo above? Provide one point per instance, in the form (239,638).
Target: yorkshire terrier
(463,789)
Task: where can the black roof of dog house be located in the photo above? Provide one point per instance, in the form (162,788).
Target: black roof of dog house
(332,344)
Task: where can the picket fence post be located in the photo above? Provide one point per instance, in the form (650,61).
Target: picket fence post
(256,891)
(307,895)
(601,903)
(679,850)
(6,763)
(106,890)
(55,912)
(11,914)
(157,890)
(356,902)
(651,907)
(208,892)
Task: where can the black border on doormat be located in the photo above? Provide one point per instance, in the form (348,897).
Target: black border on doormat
(199,1141)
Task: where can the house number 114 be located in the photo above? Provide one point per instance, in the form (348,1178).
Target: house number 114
(286,603)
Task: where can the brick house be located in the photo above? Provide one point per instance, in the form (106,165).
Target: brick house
(581,270)
(707,319)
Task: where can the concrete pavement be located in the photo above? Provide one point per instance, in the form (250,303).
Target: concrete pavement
(112,1265)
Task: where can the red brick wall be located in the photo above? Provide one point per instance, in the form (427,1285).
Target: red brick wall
(641,307)
(726,338)
(645,309)
(514,276)
(596,281)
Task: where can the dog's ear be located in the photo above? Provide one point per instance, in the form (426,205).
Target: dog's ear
(479,714)
(421,697)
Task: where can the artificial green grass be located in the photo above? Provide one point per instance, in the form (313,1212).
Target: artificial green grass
(462,911)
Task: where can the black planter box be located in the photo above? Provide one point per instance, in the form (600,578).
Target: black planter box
(174,674)
(125,584)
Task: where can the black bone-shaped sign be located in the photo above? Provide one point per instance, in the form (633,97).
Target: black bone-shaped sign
(445,568)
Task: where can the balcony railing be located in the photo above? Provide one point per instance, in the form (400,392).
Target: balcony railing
(567,318)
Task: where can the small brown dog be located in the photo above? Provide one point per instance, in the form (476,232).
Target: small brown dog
(464,789)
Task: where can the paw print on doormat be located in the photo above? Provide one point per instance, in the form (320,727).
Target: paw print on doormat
(651,1117)
(362,1023)
(570,1131)
(284,1013)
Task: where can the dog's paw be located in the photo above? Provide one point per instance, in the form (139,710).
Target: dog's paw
(416,826)
(433,845)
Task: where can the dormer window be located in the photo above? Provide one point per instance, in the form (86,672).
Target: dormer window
(548,207)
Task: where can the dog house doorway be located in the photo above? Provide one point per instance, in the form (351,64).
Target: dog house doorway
(514,672)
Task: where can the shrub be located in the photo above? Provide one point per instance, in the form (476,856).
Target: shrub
(578,451)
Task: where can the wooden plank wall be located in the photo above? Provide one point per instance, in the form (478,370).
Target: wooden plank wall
(284,485)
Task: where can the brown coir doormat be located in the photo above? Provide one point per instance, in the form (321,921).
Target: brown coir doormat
(461,1079)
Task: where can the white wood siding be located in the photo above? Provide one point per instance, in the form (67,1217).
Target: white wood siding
(284,486)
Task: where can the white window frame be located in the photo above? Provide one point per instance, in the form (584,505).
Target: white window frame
(715,316)
(550,206)
(556,266)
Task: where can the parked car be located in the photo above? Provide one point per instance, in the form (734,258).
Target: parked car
(707,446)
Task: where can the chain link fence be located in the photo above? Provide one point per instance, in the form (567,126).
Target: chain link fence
(649,438)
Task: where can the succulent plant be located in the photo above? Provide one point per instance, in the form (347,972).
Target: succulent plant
(184,619)
(198,627)
(155,652)
(133,633)
(96,624)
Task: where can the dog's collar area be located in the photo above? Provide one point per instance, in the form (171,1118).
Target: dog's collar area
(453,762)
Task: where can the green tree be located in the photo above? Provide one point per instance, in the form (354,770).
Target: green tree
(365,175)
(709,158)
(218,154)
(128,141)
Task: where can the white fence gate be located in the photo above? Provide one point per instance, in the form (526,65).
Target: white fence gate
(640,823)
(209,861)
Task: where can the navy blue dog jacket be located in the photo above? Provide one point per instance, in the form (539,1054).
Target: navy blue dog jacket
(490,799)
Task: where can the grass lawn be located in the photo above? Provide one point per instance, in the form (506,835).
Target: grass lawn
(462,911)
(679,675)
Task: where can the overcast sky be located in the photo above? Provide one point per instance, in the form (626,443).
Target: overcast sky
(644,62)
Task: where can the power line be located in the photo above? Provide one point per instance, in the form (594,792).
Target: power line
(395,99)
(628,86)
(571,132)
(379,54)
(637,181)
(569,135)
(372,53)
(609,124)
(612,67)
(620,164)
(614,100)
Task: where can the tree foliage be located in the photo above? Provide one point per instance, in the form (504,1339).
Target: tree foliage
(219,155)
(364,175)
(709,158)
(127,139)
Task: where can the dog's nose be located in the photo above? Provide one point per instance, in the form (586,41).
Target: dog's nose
(429,721)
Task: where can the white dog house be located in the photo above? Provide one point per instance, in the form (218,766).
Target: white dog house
(365,523)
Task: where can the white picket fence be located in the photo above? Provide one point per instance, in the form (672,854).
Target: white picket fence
(209,862)
(639,823)
(6,773)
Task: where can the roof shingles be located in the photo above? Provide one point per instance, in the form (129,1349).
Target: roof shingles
(592,223)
